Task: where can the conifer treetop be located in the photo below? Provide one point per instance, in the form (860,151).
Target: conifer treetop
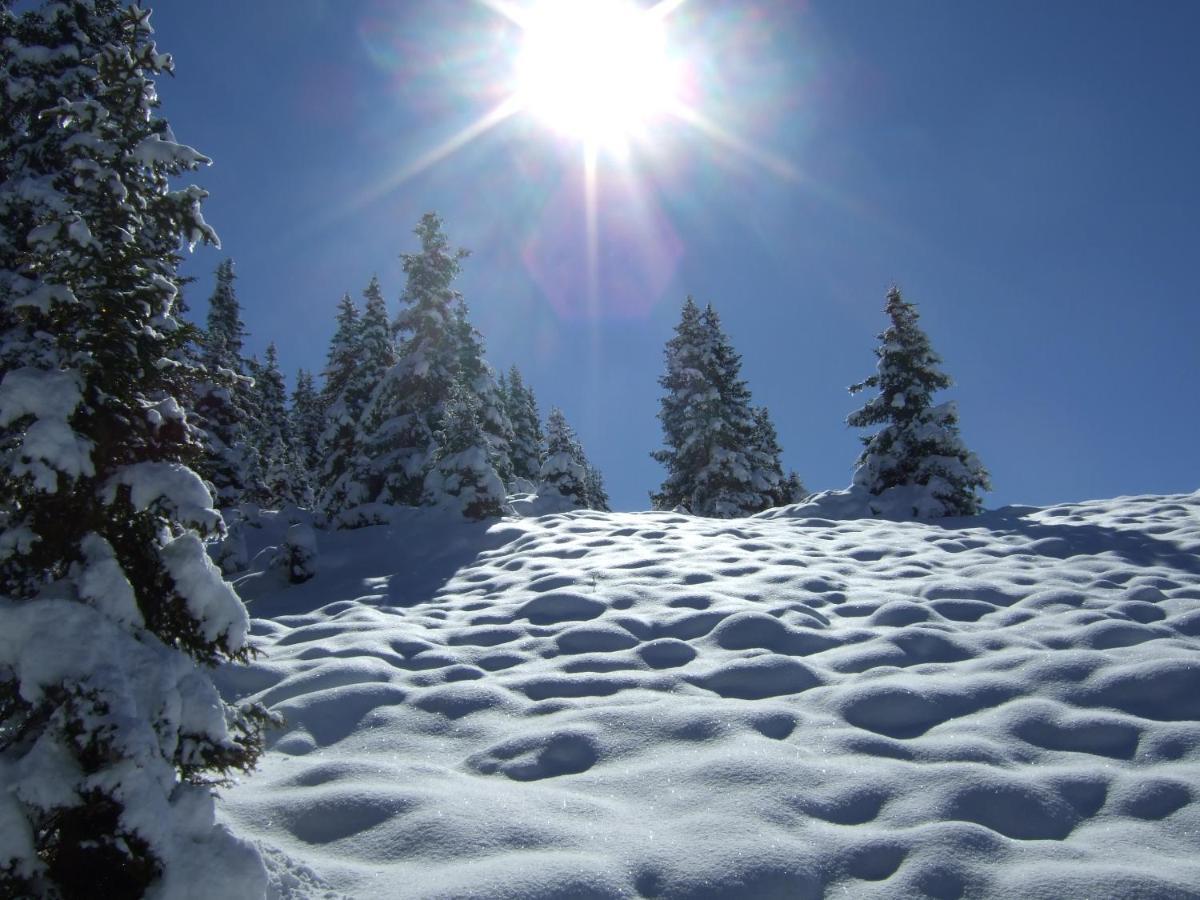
(919,450)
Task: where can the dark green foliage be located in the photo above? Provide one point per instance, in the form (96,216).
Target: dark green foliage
(919,444)
(721,459)
(463,475)
(528,443)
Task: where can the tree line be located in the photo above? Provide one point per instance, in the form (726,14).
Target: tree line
(409,412)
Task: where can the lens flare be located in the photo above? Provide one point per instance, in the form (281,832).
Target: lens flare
(597,70)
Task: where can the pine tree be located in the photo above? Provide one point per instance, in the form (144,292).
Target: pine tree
(400,424)
(111,615)
(707,422)
(528,442)
(225,334)
(219,408)
(463,476)
(565,470)
(773,486)
(479,378)
(338,445)
(597,494)
(376,354)
(794,490)
(306,421)
(919,445)
(283,474)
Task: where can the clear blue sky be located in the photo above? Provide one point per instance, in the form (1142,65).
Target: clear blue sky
(1025,171)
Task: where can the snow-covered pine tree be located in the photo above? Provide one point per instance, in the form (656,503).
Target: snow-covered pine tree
(340,408)
(689,394)
(565,470)
(597,494)
(376,352)
(306,421)
(225,334)
(528,443)
(919,449)
(399,425)
(111,615)
(284,478)
(707,423)
(228,462)
(479,378)
(765,457)
(462,476)
(793,491)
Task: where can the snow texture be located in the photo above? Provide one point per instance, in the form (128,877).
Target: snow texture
(656,705)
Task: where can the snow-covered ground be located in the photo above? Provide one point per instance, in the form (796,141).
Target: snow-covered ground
(653,705)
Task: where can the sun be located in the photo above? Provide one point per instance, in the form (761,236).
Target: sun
(595,70)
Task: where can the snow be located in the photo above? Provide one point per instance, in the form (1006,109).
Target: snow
(177,488)
(103,583)
(210,599)
(792,705)
(49,444)
(139,694)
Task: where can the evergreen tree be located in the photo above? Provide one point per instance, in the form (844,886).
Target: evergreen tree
(479,378)
(794,490)
(919,444)
(400,424)
(225,334)
(306,421)
(376,354)
(528,443)
(707,422)
(765,457)
(343,353)
(111,615)
(340,408)
(565,470)
(283,474)
(597,494)
(228,462)
(463,476)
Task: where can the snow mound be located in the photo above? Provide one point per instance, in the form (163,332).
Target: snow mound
(655,705)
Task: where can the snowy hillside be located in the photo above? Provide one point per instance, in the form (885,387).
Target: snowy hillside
(653,705)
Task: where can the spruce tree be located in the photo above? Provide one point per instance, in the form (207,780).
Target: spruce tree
(708,425)
(283,474)
(400,424)
(528,442)
(565,471)
(306,420)
(219,405)
(111,615)
(225,334)
(463,476)
(793,491)
(774,488)
(597,494)
(337,447)
(480,379)
(919,446)
(376,354)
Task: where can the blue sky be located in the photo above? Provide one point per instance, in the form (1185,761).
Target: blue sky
(1026,172)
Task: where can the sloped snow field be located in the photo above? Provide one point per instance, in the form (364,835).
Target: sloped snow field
(652,705)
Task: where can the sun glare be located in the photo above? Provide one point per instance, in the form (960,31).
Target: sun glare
(596,70)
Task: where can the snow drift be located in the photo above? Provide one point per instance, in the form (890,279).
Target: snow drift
(655,705)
